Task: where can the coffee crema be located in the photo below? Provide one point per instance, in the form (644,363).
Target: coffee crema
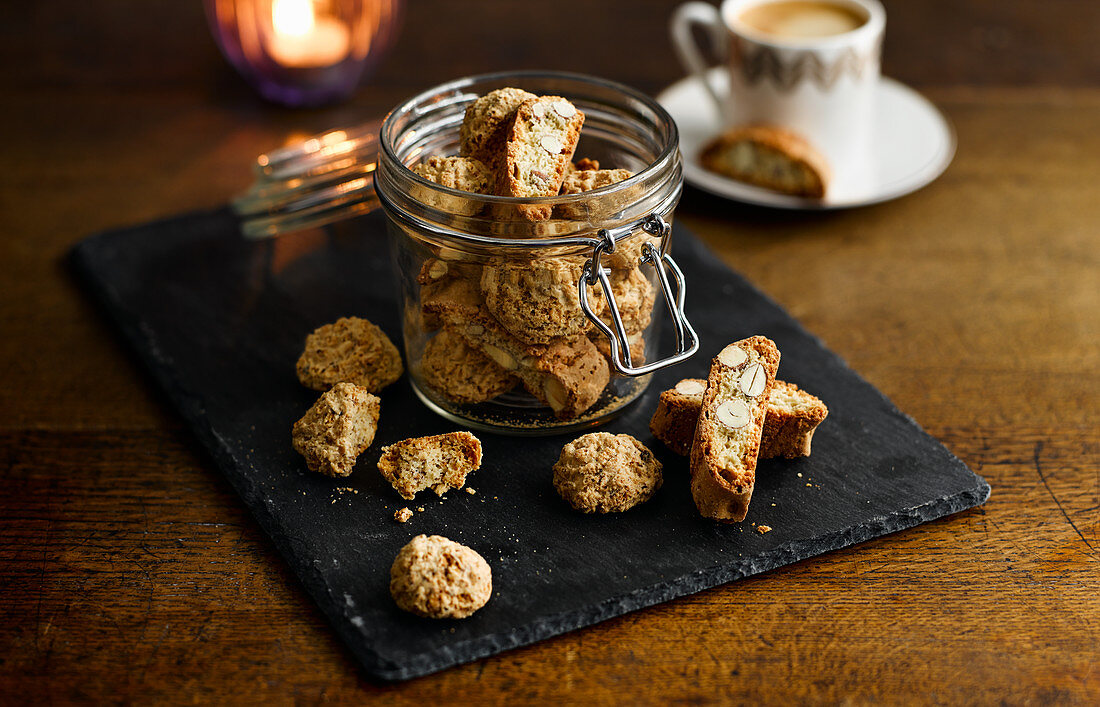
(800,19)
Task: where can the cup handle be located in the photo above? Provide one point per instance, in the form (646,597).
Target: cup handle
(687,16)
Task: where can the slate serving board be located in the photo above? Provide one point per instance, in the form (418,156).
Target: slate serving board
(220,321)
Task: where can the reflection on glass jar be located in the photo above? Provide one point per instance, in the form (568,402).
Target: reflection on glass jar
(535,326)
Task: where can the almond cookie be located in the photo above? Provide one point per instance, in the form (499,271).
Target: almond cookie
(634,296)
(439,462)
(349,350)
(462,173)
(637,350)
(580,181)
(769,157)
(537,300)
(540,145)
(460,373)
(567,375)
(438,578)
(434,276)
(487,120)
(731,421)
(792,416)
(337,429)
(605,473)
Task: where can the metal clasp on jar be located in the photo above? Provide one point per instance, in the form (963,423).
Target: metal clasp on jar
(687,341)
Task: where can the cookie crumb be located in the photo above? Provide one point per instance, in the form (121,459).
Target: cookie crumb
(402,514)
(763,529)
(470,490)
(800,474)
(420,508)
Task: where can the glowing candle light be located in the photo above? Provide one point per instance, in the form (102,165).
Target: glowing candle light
(301,39)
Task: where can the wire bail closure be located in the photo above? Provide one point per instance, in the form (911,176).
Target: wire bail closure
(687,341)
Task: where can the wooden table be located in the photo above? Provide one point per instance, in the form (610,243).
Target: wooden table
(129,570)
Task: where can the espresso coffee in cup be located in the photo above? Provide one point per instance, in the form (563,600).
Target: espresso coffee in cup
(798,19)
(810,67)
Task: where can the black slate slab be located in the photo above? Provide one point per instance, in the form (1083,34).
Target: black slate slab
(219,322)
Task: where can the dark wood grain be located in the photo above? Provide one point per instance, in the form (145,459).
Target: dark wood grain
(129,571)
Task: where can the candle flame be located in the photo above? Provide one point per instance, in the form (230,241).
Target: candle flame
(292,17)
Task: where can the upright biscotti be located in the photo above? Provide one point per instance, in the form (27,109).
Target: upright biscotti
(793,416)
(539,149)
(731,422)
(487,121)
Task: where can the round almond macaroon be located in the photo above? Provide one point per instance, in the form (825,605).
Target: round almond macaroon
(604,473)
(350,350)
(438,578)
(537,300)
(460,373)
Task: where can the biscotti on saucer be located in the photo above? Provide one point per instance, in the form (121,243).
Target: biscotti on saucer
(770,157)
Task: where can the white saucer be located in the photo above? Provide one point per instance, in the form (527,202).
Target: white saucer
(914,143)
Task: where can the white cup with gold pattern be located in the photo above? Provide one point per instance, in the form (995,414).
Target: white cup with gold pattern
(811,66)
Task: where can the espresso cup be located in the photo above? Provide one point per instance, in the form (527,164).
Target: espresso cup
(809,66)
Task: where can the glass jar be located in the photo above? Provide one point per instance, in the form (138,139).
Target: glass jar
(529,327)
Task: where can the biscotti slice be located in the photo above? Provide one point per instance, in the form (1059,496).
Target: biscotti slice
(793,415)
(731,422)
(487,121)
(337,429)
(440,462)
(769,157)
(461,173)
(460,373)
(677,413)
(540,145)
(566,374)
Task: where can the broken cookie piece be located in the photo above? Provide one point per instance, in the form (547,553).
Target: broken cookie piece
(437,578)
(337,429)
(439,462)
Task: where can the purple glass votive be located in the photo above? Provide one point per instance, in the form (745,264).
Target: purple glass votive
(304,52)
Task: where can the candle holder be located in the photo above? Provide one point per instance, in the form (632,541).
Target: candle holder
(303,52)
